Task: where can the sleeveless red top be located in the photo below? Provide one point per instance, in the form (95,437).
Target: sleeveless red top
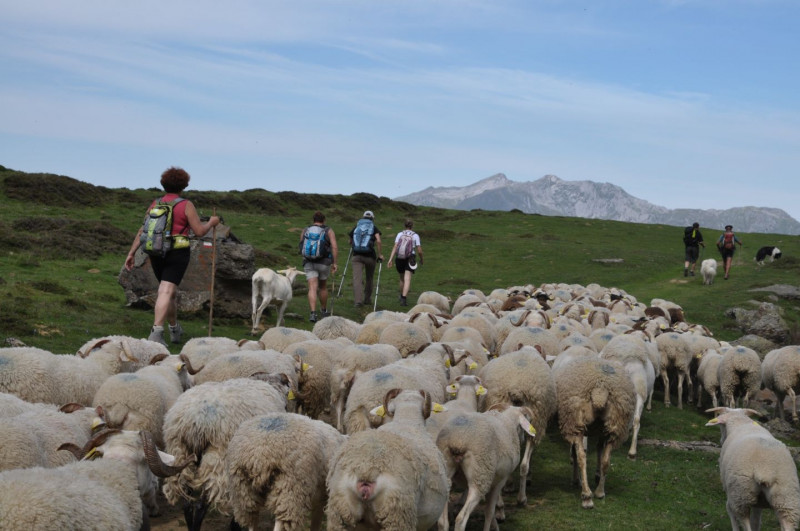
(180,223)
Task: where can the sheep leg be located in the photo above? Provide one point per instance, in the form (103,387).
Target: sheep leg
(603,461)
(524,467)
(699,395)
(680,390)
(194,512)
(665,380)
(650,399)
(258,312)
(473,498)
(280,312)
(755,519)
(793,396)
(637,420)
(580,463)
(339,407)
(714,401)
(444,518)
(492,499)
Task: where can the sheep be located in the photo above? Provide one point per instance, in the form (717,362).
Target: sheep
(280,337)
(465,333)
(370,332)
(479,322)
(348,365)
(392,478)
(201,423)
(116,492)
(407,337)
(739,374)
(279,462)
(242,364)
(708,268)
(780,372)
(441,302)
(594,395)
(522,378)
(270,285)
(142,350)
(32,437)
(531,336)
(631,352)
(675,354)
(754,468)
(466,392)
(430,322)
(466,299)
(336,326)
(36,375)
(317,356)
(485,449)
(139,401)
(201,350)
(708,378)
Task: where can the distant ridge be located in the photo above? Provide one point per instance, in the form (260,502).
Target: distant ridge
(552,196)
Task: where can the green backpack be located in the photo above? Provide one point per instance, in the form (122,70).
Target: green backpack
(157,238)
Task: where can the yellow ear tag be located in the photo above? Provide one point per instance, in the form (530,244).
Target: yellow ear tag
(699,356)
(290,396)
(180,367)
(452,389)
(662,326)
(97,422)
(305,366)
(531,430)
(379,411)
(472,366)
(438,408)
(480,391)
(447,363)
(91,454)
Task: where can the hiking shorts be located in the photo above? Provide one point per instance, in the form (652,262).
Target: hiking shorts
(173,266)
(318,270)
(401,264)
(692,253)
(726,253)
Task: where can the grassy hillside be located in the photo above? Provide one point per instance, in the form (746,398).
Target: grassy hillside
(63,243)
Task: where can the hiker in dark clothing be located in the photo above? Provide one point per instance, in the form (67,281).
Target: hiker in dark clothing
(692,239)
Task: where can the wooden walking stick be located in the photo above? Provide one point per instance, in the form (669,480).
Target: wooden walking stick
(213,275)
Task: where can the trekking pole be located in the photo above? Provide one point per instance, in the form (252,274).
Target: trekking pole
(378,284)
(344,273)
(333,288)
(213,275)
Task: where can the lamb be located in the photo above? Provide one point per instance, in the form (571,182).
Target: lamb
(201,423)
(336,326)
(106,493)
(739,374)
(676,355)
(36,375)
(755,467)
(594,395)
(631,352)
(139,401)
(280,337)
(407,337)
(392,478)
(781,375)
(522,378)
(708,268)
(708,378)
(485,449)
(441,302)
(258,475)
(270,285)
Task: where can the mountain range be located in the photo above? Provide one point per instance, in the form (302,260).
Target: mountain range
(551,196)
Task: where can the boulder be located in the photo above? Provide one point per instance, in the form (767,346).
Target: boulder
(765,321)
(234,264)
(760,344)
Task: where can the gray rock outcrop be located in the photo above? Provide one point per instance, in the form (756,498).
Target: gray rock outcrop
(765,321)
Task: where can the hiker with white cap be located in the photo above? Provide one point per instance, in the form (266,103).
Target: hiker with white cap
(365,244)
(408,250)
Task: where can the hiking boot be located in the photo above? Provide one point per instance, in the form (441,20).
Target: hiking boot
(691,273)
(175,333)
(157,335)
(325,313)
(313,317)
(403,301)
(686,272)
(359,304)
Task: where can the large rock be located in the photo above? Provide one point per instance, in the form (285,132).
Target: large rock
(765,321)
(760,344)
(234,264)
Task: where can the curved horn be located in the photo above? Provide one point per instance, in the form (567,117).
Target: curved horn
(158,357)
(72,407)
(92,347)
(428,405)
(522,318)
(241,342)
(191,370)
(74,449)
(154,462)
(434,320)
(414,317)
(390,395)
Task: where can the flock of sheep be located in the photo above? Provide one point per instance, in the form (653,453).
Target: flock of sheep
(376,425)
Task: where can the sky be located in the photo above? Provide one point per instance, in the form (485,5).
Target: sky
(683,103)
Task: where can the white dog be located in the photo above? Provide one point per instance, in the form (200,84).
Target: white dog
(708,268)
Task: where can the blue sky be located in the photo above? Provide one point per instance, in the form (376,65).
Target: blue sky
(683,103)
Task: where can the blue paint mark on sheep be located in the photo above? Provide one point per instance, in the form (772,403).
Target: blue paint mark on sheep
(235,359)
(608,369)
(273,424)
(521,362)
(5,360)
(128,377)
(461,420)
(382,377)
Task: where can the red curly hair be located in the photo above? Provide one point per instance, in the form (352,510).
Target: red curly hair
(174,180)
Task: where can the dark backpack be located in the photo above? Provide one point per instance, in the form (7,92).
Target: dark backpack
(405,245)
(157,238)
(687,236)
(314,245)
(362,235)
(727,240)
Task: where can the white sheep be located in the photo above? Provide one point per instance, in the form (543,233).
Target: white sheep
(279,463)
(315,359)
(116,492)
(708,377)
(594,396)
(201,423)
(370,332)
(441,302)
(269,285)
(280,337)
(780,372)
(407,337)
(485,449)
(631,352)
(465,393)
(531,336)
(139,349)
(336,326)
(480,322)
(138,401)
(739,375)
(708,268)
(755,468)
(676,355)
(243,364)
(392,478)
(201,350)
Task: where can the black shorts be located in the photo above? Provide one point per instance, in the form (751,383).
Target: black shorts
(173,266)
(692,253)
(401,264)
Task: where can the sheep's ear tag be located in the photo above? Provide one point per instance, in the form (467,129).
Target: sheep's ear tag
(379,411)
(662,326)
(97,422)
(452,389)
(472,366)
(447,363)
(527,426)
(438,408)
(180,367)
(480,391)
(305,366)
(91,454)
(290,395)
(699,356)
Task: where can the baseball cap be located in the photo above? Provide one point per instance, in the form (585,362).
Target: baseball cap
(369,214)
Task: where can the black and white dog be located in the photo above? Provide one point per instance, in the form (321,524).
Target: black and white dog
(767,251)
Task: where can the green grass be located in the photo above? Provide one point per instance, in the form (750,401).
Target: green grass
(63,243)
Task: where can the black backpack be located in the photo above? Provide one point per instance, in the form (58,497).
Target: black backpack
(688,239)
